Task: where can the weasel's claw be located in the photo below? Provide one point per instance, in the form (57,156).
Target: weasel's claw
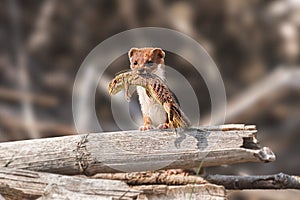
(163,126)
(145,128)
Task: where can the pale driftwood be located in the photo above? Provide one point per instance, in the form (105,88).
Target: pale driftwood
(24,184)
(161,192)
(276,181)
(133,151)
(146,178)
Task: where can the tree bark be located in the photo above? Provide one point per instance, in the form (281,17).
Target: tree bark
(276,181)
(146,178)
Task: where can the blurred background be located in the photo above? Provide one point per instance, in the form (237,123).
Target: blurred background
(255,44)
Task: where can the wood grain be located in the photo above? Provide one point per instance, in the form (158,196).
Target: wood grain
(133,151)
(24,184)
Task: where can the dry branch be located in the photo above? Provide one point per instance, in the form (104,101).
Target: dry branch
(24,184)
(133,151)
(146,178)
(276,181)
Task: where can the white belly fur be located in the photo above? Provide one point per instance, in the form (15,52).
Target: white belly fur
(149,106)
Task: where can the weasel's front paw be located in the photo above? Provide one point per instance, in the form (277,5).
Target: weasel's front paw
(164,126)
(145,128)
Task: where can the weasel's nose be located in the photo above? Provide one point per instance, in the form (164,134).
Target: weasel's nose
(141,67)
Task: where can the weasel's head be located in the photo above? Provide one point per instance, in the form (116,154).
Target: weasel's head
(148,59)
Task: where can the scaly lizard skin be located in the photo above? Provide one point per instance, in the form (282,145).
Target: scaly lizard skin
(156,88)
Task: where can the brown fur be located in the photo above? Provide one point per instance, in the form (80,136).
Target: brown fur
(139,58)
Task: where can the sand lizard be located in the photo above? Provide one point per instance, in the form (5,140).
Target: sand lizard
(156,88)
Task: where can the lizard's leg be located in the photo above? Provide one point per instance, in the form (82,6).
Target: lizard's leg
(127,94)
(168,123)
(147,124)
(168,109)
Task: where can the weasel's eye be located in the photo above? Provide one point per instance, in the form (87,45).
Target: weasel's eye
(135,63)
(150,63)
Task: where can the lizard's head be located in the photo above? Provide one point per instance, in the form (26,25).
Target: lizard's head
(148,59)
(116,85)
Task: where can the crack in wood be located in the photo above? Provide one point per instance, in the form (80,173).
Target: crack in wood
(82,154)
(250,142)
(9,161)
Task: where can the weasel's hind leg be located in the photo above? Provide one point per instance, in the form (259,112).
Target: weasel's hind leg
(147,124)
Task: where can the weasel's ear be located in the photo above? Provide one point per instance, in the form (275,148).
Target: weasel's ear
(159,52)
(132,51)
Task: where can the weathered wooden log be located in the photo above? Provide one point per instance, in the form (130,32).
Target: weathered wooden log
(24,184)
(132,151)
(179,192)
